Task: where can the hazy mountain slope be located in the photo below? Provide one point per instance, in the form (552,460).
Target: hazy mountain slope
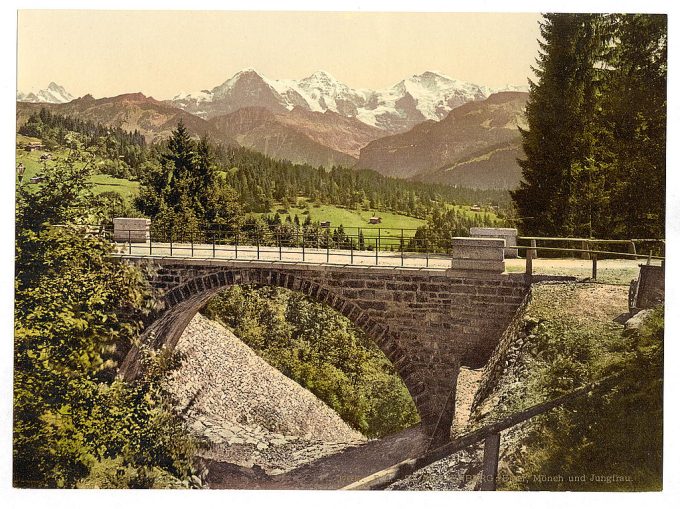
(277,136)
(468,129)
(154,119)
(493,167)
(344,134)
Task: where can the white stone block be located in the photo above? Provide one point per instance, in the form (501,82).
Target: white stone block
(478,254)
(133,229)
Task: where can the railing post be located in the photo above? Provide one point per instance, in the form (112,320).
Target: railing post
(278,239)
(427,254)
(328,246)
(170,241)
(529,259)
(257,240)
(490,469)
(192,243)
(402,247)
(213,239)
(236,245)
(594,266)
(351,251)
(130,241)
(303,245)
(150,248)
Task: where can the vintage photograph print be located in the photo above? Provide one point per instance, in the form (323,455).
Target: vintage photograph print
(339,250)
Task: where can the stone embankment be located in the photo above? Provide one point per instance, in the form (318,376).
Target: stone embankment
(246,413)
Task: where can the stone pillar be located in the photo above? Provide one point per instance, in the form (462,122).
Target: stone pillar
(483,255)
(509,234)
(648,290)
(134,229)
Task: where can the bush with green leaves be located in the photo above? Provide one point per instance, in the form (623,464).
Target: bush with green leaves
(76,312)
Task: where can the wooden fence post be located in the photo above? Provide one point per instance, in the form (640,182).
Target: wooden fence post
(490,468)
(531,253)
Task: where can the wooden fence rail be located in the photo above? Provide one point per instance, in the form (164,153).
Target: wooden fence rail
(490,434)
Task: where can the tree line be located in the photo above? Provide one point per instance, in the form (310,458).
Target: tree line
(190,181)
(595,145)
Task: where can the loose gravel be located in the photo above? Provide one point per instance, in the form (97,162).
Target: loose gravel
(244,411)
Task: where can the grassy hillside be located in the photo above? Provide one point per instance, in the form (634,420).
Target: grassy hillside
(102,182)
(353,217)
(570,335)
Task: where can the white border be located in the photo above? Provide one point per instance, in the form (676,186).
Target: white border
(10,497)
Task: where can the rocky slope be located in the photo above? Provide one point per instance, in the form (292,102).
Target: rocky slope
(246,412)
(469,131)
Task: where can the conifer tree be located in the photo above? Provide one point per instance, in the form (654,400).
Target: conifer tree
(559,115)
(634,120)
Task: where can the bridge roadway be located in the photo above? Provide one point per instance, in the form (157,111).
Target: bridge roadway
(287,254)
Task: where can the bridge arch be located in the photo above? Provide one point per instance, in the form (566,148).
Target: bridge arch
(181,303)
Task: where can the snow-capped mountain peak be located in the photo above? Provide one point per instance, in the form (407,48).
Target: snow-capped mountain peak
(429,95)
(52,94)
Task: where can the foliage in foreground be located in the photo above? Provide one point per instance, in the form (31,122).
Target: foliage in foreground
(586,444)
(73,312)
(321,350)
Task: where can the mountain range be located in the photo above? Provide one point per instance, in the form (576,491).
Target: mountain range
(426,96)
(54,94)
(471,133)
(427,127)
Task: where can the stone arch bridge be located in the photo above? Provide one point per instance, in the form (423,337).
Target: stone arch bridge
(428,322)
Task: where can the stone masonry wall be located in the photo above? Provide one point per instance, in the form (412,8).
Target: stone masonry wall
(427,322)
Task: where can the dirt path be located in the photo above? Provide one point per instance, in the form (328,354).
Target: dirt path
(329,473)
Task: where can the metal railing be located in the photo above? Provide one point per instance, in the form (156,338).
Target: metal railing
(378,246)
(355,245)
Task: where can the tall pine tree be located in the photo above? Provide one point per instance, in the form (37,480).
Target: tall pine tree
(560,130)
(634,124)
(595,145)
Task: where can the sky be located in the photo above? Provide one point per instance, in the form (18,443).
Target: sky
(162,53)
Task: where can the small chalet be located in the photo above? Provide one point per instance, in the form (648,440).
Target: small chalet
(33,146)
(375,220)
(325,224)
